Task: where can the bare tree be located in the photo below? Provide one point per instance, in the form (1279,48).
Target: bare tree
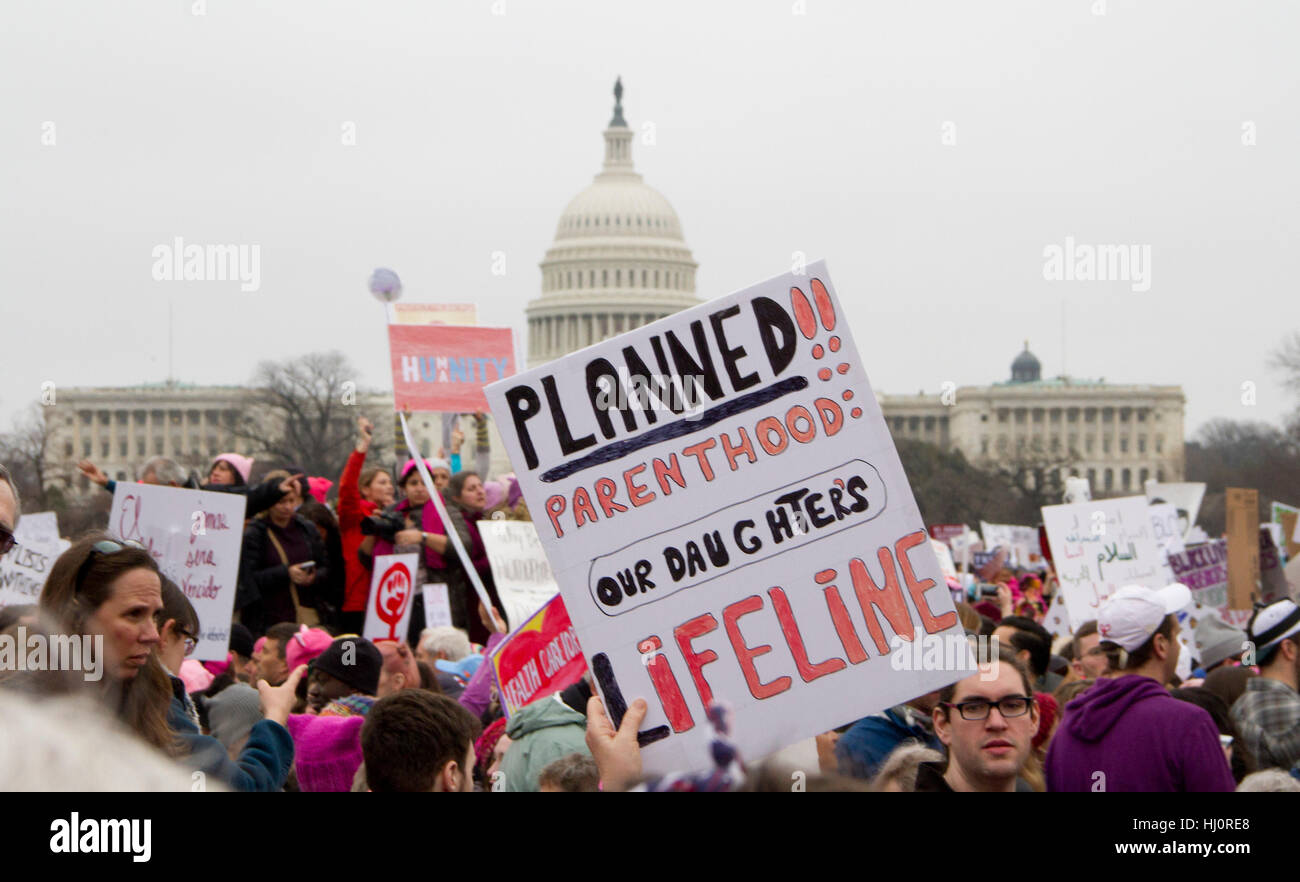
(1035,475)
(27,450)
(302,412)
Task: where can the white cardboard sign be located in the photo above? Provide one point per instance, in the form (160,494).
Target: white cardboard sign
(519,568)
(1099,547)
(437,605)
(24,568)
(728,520)
(196,536)
(392,587)
(1184,497)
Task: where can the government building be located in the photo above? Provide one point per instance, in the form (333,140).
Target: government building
(618,261)
(1115,435)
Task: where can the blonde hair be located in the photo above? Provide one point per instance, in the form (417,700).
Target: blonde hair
(902,765)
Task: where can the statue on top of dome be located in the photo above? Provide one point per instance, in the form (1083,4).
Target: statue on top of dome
(618,105)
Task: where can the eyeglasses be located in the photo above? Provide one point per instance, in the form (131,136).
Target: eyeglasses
(190,643)
(978,708)
(105,547)
(7,540)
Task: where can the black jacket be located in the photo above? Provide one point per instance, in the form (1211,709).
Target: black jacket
(264,591)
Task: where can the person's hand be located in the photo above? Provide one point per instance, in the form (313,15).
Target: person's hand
(617,753)
(299,576)
(93,472)
(278,701)
(457,439)
(365,431)
(496,622)
(290,484)
(1004,599)
(408,537)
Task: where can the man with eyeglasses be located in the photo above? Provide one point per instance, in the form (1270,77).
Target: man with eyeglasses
(1091,660)
(10,510)
(987,722)
(1127,733)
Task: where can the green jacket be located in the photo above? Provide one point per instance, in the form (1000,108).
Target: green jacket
(541,732)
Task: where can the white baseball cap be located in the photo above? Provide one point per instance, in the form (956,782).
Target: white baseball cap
(1133,613)
(1274,623)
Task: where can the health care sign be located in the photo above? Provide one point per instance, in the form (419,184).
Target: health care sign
(539,658)
(727,520)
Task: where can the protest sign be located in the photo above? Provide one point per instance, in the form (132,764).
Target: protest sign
(444,368)
(734,524)
(1287,517)
(392,586)
(520,570)
(460,314)
(1204,569)
(539,658)
(1185,497)
(196,537)
(963,546)
(945,532)
(24,568)
(437,605)
(944,556)
(1099,547)
(1272,579)
(1243,546)
(1021,543)
(1168,533)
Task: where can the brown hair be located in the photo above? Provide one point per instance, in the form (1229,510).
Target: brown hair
(369,475)
(79,583)
(575,773)
(970,620)
(1006,656)
(410,737)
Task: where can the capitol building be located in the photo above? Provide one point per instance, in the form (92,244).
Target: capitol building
(1115,435)
(619,260)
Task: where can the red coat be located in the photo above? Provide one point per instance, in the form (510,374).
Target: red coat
(352,508)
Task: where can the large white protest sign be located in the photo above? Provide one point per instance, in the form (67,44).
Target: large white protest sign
(392,588)
(196,537)
(24,568)
(1099,547)
(520,570)
(728,520)
(1185,497)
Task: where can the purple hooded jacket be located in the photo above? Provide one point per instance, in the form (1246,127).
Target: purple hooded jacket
(1141,738)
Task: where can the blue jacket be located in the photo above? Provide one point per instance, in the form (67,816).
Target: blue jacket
(263,763)
(863,749)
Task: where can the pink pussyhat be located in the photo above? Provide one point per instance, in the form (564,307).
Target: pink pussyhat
(241,464)
(319,487)
(304,646)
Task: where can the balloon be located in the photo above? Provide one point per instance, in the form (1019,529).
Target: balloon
(385,285)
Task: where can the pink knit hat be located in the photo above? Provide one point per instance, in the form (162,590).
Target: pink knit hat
(327,751)
(241,464)
(304,646)
(319,487)
(195,677)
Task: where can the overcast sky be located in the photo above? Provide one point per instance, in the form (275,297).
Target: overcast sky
(775,132)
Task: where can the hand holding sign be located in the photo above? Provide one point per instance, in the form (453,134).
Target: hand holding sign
(616,752)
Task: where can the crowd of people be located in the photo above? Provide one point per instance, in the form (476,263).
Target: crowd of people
(303,702)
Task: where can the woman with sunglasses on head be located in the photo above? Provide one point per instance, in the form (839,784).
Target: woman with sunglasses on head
(111,590)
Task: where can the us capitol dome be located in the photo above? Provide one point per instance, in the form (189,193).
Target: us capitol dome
(619,260)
